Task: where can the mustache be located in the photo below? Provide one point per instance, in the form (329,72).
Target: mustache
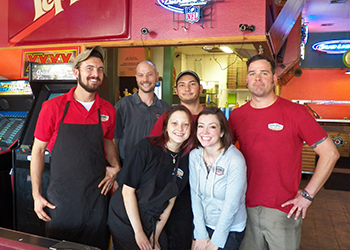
(95,78)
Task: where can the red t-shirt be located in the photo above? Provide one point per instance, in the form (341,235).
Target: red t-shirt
(52,112)
(271,140)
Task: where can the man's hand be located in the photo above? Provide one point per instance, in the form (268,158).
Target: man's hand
(300,206)
(39,204)
(109,180)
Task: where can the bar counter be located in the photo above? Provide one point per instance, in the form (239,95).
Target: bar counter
(339,131)
(11,240)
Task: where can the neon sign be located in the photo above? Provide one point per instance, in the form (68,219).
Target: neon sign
(178,5)
(332,47)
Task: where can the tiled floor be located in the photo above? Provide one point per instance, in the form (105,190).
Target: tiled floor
(327,222)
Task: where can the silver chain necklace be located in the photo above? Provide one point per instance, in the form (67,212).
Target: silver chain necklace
(174,157)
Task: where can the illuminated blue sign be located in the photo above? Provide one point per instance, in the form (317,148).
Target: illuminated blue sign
(332,47)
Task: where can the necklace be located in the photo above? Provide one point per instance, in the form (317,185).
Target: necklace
(207,165)
(174,157)
(208,162)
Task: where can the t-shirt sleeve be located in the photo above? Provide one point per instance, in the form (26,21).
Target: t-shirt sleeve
(309,129)
(45,125)
(135,165)
(157,128)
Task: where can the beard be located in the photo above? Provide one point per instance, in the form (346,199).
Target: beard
(90,89)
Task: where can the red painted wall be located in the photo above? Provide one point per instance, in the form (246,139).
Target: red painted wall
(4,22)
(226,19)
(321,84)
(10,63)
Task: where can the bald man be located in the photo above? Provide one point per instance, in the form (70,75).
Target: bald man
(137,113)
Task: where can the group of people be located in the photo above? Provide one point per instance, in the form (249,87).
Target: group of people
(176,178)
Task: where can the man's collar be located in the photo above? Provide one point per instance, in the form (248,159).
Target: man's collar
(71,96)
(138,100)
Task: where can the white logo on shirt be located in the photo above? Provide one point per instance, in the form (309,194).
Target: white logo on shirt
(275,127)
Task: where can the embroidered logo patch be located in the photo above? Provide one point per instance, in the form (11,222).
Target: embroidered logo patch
(219,170)
(104,118)
(180,173)
(275,127)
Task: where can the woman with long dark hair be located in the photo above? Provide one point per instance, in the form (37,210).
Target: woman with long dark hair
(153,175)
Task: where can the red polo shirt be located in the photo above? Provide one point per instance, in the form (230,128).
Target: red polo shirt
(52,112)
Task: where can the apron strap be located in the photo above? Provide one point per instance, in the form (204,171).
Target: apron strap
(65,111)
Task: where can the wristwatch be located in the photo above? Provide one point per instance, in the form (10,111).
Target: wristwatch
(306,195)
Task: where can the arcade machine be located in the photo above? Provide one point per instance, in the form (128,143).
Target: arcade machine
(16,100)
(47,81)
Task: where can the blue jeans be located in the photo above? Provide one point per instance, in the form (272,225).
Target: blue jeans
(233,241)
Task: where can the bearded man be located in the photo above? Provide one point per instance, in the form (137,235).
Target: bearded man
(78,129)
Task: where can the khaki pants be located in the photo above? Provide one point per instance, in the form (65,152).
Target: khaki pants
(269,228)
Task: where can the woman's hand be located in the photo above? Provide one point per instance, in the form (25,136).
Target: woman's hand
(156,243)
(200,244)
(210,246)
(142,241)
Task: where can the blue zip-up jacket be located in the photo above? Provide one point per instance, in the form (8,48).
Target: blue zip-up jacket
(218,197)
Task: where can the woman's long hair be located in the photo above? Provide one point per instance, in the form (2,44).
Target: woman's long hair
(161,140)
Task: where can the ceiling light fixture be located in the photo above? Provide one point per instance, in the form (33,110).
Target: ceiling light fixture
(208,47)
(226,49)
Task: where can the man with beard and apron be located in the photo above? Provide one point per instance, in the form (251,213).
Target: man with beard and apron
(77,128)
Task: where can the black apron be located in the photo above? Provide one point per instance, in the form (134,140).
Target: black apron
(77,167)
(150,208)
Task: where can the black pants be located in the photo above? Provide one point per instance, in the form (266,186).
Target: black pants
(233,241)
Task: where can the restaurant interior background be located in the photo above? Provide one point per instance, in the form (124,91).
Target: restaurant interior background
(199,47)
(321,77)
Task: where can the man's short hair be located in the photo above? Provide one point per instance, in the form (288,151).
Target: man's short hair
(262,57)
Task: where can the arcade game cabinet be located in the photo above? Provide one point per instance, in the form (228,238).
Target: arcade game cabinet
(47,81)
(16,100)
